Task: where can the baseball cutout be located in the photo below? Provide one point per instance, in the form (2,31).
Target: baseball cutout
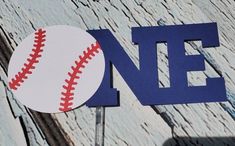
(56,69)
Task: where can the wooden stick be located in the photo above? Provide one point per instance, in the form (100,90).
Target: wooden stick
(100,126)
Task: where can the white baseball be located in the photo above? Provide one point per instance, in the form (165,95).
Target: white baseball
(56,69)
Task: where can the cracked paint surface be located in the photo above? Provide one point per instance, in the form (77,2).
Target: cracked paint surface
(131,124)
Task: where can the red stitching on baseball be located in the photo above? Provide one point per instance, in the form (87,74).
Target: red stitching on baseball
(39,38)
(67,95)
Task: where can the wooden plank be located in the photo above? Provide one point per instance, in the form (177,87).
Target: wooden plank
(132,124)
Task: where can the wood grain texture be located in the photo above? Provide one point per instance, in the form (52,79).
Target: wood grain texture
(131,123)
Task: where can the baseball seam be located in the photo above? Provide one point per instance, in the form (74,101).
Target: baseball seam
(32,60)
(67,95)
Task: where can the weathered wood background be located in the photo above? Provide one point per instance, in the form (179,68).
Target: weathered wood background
(131,123)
